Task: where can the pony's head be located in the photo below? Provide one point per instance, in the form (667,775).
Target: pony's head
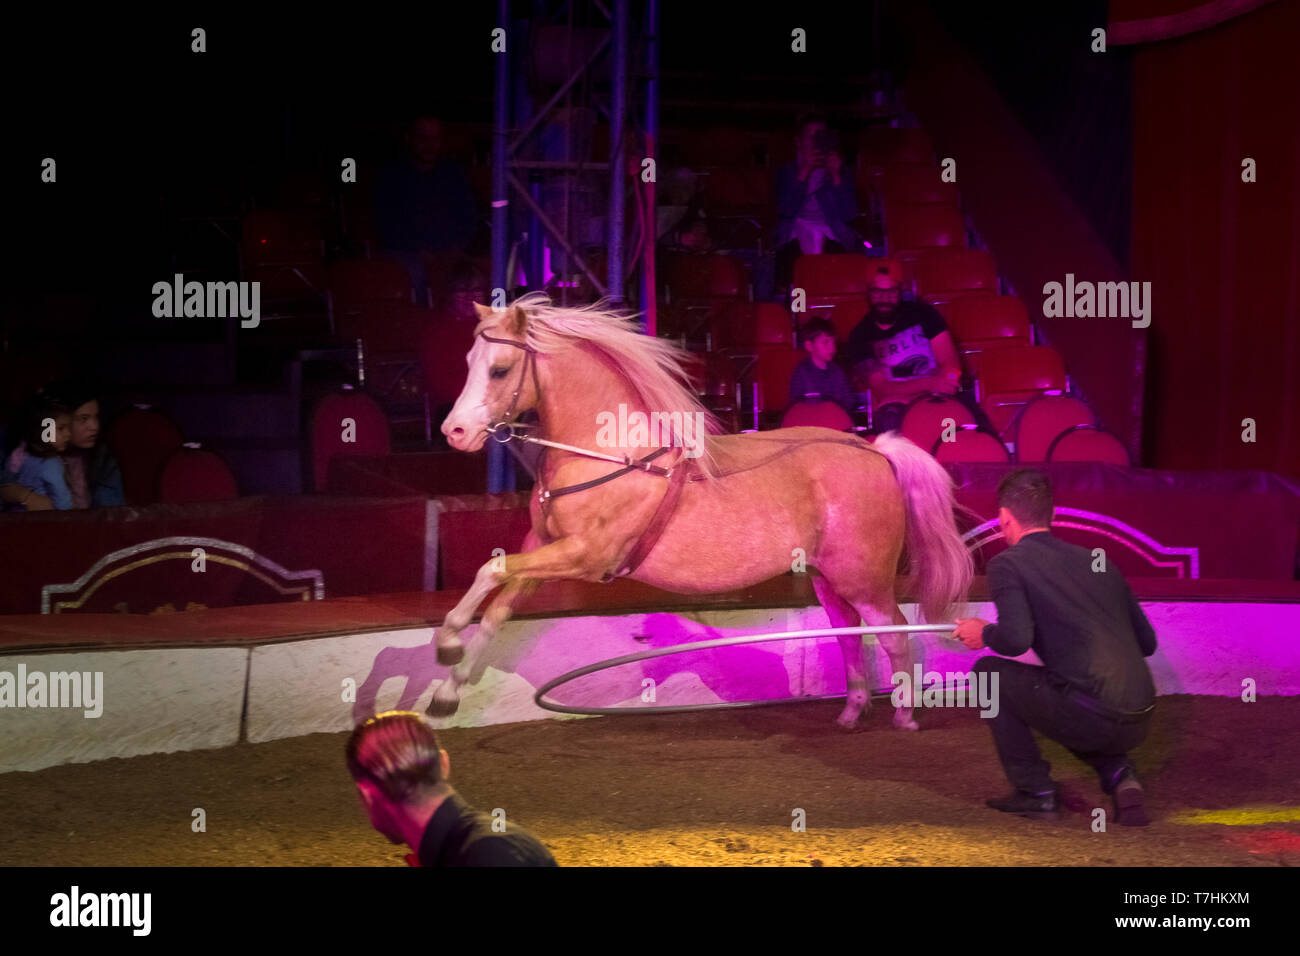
(501,383)
(503,380)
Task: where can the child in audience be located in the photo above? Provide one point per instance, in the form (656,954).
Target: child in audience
(42,469)
(817,376)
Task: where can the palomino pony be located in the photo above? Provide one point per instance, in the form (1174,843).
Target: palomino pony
(694,517)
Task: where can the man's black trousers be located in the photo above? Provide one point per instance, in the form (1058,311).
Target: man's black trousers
(1030,698)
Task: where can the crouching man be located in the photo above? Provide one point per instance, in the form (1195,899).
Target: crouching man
(1094,695)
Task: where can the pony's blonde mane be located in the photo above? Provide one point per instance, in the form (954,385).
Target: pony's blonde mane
(654,367)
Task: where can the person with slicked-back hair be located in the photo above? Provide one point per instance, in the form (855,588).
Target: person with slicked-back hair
(403,778)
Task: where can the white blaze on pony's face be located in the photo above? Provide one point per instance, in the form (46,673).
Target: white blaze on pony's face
(495,371)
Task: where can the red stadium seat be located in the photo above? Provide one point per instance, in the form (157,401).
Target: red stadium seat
(384,325)
(910,229)
(923,422)
(979,322)
(348,423)
(745,326)
(1088,443)
(142,440)
(982,322)
(736,190)
(845,316)
(443,345)
(916,183)
(884,146)
(1012,377)
(945,274)
(834,278)
(1043,419)
(774,368)
(703,278)
(817,414)
(192,474)
(284,251)
(355,281)
(970,445)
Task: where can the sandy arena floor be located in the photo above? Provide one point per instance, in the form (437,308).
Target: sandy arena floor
(701,789)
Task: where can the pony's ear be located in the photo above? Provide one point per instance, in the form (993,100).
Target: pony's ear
(516,321)
(483,311)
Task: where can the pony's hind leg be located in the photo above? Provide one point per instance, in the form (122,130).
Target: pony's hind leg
(843,614)
(899,648)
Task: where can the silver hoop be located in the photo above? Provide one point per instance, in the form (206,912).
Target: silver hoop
(538,698)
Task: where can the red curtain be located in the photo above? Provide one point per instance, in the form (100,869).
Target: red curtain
(1223,255)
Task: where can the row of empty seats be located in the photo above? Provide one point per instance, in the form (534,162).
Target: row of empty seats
(159,466)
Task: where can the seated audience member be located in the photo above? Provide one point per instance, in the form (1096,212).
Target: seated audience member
(424,208)
(17,497)
(466,285)
(901,350)
(402,775)
(691,234)
(817,376)
(94,479)
(41,469)
(815,200)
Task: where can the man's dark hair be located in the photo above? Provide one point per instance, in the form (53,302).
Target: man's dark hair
(815,327)
(466,276)
(1027,494)
(397,751)
(806,119)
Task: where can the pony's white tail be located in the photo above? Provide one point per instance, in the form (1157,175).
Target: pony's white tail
(940,564)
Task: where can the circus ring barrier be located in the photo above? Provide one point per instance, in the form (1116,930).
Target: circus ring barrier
(188,681)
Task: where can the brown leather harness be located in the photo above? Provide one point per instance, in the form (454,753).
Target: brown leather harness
(678,474)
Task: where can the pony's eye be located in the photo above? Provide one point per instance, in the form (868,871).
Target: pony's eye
(499,371)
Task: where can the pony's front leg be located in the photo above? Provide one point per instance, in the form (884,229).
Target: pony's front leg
(523,572)
(447,638)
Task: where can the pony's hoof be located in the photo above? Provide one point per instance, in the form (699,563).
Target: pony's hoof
(856,727)
(908,724)
(442,708)
(451,654)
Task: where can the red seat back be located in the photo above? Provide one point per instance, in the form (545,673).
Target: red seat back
(912,228)
(194,474)
(817,414)
(917,183)
(692,278)
(1086,443)
(748,325)
(924,420)
(971,445)
(1043,420)
(1012,377)
(942,272)
(443,344)
(348,423)
(142,440)
(354,281)
(884,145)
(774,368)
(977,319)
(384,325)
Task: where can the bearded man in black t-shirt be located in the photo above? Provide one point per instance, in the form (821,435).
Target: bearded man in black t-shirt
(902,350)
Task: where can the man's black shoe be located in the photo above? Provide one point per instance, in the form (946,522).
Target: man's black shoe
(1128,801)
(1035,806)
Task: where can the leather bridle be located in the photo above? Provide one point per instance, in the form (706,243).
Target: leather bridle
(508,427)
